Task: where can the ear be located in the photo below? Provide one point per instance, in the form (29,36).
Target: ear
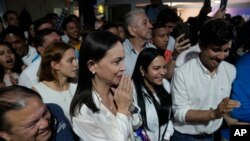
(91,65)
(5,135)
(55,65)
(40,49)
(142,71)
(131,30)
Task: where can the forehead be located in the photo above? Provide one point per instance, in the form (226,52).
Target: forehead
(12,37)
(159,60)
(34,109)
(139,17)
(160,30)
(223,47)
(72,23)
(11,15)
(4,47)
(69,53)
(52,37)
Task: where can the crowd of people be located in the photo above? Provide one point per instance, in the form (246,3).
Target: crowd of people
(153,77)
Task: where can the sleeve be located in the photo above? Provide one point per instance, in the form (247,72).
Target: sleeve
(181,102)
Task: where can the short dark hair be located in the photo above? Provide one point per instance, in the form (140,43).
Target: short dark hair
(215,32)
(39,36)
(157,25)
(39,22)
(5,15)
(167,15)
(70,18)
(13,98)
(13,30)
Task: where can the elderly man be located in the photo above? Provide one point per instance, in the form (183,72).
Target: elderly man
(139,31)
(24,117)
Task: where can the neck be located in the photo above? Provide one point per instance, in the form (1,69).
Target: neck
(149,86)
(102,89)
(58,85)
(137,44)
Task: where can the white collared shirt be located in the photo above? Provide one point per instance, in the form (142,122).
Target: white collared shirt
(193,88)
(103,125)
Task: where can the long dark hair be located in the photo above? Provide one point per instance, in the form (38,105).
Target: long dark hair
(18,61)
(95,47)
(144,59)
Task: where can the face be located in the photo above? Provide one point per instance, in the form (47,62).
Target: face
(142,27)
(160,38)
(156,72)
(121,33)
(110,68)
(67,67)
(170,27)
(212,55)
(12,19)
(47,40)
(17,43)
(7,57)
(31,123)
(72,30)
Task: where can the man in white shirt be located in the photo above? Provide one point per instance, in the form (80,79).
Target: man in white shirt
(43,38)
(15,36)
(139,30)
(201,87)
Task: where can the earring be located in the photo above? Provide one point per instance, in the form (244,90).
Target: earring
(93,72)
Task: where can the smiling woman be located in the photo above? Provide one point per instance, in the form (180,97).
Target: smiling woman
(103,94)
(151,94)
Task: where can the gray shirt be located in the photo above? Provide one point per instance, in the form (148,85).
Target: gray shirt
(131,56)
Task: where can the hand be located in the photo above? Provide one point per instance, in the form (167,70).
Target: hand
(220,13)
(225,106)
(232,121)
(180,45)
(123,95)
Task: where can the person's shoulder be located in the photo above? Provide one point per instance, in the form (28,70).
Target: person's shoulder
(54,107)
(56,111)
(188,64)
(228,66)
